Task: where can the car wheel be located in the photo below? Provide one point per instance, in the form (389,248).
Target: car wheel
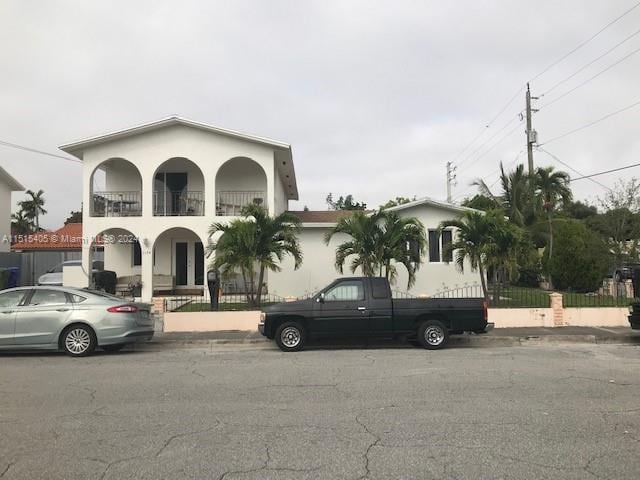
(79,341)
(290,337)
(113,348)
(433,335)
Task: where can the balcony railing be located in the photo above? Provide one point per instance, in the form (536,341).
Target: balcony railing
(116,204)
(230,204)
(169,204)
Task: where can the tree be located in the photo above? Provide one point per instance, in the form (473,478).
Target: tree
(620,228)
(257,240)
(396,202)
(345,203)
(516,194)
(20,223)
(74,217)
(485,241)
(481,202)
(580,210)
(551,187)
(581,257)
(379,241)
(34,206)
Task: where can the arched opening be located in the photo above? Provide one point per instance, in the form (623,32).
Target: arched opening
(119,252)
(240,181)
(116,189)
(178,262)
(178,188)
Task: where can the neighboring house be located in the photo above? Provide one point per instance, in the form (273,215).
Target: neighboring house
(151,193)
(44,250)
(318,269)
(8,184)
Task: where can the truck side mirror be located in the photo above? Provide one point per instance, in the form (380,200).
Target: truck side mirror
(320,298)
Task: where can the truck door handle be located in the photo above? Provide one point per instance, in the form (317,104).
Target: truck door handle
(362,309)
(7,311)
(62,309)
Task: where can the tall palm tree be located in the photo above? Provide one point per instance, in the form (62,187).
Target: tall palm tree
(364,245)
(257,240)
(34,207)
(20,223)
(551,187)
(473,237)
(516,194)
(403,241)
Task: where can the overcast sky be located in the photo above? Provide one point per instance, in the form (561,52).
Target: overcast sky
(373,96)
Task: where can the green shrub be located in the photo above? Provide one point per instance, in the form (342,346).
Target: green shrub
(580,257)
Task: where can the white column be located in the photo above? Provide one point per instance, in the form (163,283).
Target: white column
(146,269)
(271,189)
(86,259)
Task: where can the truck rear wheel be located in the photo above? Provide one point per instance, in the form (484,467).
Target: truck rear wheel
(433,335)
(290,337)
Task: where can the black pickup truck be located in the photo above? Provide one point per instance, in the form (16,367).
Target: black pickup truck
(364,307)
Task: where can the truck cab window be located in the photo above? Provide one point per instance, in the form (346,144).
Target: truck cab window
(349,290)
(380,288)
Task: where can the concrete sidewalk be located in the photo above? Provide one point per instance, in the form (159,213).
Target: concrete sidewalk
(498,337)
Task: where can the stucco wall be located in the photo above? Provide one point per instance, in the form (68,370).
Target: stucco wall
(596,317)
(521,317)
(5,217)
(210,321)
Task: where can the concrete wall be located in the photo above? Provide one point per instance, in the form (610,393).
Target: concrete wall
(596,317)
(5,217)
(121,176)
(521,317)
(210,321)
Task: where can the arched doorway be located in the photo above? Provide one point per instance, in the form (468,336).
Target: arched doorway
(178,188)
(116,189)
(178,262)
(240,181)
(118,250)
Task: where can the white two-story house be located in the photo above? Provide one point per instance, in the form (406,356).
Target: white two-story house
(8,184)
(151,193)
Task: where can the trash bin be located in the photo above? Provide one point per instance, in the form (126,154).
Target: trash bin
(14,277)
(213,282)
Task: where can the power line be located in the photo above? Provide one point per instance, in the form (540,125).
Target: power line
(590,123)
(549,67)
(590,63)
(503,138)
(33,150)
(571,168)
(591,78)
(605,172)
(487,141)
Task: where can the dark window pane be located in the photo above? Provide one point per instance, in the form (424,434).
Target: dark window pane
(380,288)
(434,246)
(137,254)
(447,238)
(199,266)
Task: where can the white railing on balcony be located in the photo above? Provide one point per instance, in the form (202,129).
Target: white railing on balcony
(116,204)
(169,204)
(230,204)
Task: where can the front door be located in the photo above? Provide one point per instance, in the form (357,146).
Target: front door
(342,311)
(188,264)
(42,317)
(9,303)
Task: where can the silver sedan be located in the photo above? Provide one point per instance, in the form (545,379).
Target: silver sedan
(74,320)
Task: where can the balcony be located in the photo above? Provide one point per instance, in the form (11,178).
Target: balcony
(116,204)
(178,204)
(229,204)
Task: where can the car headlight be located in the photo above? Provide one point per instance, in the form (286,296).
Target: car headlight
(263,317)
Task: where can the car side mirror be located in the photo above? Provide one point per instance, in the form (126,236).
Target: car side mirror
(320,298)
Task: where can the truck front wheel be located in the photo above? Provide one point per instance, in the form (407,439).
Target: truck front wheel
(432,334)
(290,337)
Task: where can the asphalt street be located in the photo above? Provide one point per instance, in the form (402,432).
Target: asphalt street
(240,412)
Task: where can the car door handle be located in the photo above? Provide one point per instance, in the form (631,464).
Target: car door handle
(62,309)
(7,311)
(362,309)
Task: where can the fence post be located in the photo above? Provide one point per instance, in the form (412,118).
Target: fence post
(555,300)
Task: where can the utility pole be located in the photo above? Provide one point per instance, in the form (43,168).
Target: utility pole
(451,177)
(532,135)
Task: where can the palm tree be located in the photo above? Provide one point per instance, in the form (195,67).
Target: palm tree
(473,237)
(551,187)
(34,207)
(20,223)
(364,245)
(403,241)
(257,240)
(516,194)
